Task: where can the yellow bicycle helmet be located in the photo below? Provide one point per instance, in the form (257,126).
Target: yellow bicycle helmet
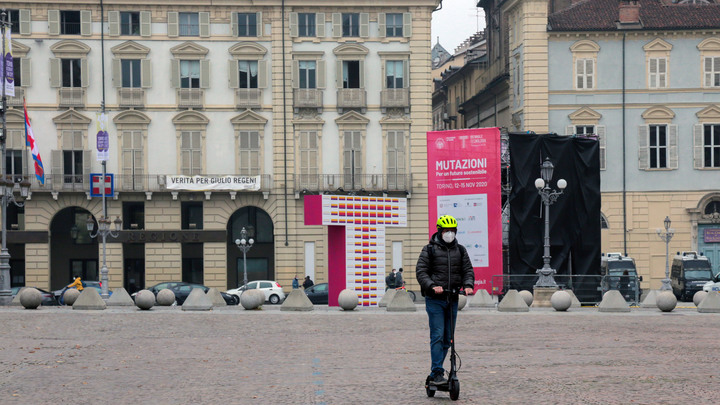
(446,221)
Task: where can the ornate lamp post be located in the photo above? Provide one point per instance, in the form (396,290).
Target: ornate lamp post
(548,196)
(666,236)
(103,231)
(244,244)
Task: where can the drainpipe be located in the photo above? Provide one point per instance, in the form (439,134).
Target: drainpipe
(284,123)
(624,174)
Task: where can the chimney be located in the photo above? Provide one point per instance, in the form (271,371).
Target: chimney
(629,12)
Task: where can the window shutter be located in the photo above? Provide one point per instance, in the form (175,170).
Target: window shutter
(698,146)
(145,73)
(602,140)
(204,22)
(708,72)
(579,72)
(234,24)
(233,79)
(295,74)
(293,25)
(320,72)
(320,25)
(361,72)
(85,22)
(589,68)
(406,74)
(113,23)
(570,130)
(86,165)
(364,25)
(57,165)
(55,73)
(145,24)
(25,71)
(117,72)
(662,72)
(382,32)
(204,74)
(672,146)
(53,22)
(339,74)
(643,153)
(25,27)
(262,74)
(84,73)
(337,25)
(407,25)
(259,23)
(172,28)
(175,73)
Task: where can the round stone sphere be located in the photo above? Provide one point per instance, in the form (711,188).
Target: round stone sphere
(561,300)
(527,296)
(462,301)
(666,301)
(145,299)
(165,297)
(71,295)
(348,299)
(259,297)
(251,300)
(30,298)
(699,297)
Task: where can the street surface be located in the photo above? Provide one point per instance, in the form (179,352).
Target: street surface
(368,356)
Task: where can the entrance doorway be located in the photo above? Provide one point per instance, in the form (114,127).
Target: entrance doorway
(72,251)
(709,244)
(261,257)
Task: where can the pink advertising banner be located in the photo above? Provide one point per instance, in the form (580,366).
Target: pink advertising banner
(464,181)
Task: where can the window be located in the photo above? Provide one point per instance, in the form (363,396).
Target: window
(248,70)
(306,24)
(307,70)
(131,76)
(73,166)
(350,24)
(352,159)
(247,24)
(395,159)
(394,25)
(309,159)
(14,18)
(190,153)
(129,23)
(394,70)
(584,74)
(132,159)
(17,71)
(189,24)
(14,163)
(351,74)
(249,154)
(712,71)
(189,74)
(657,72)
(69,22)
(584,129)
(133,215)
(192,215)
(71,69)
(711,145)
(192,263)
(658,146)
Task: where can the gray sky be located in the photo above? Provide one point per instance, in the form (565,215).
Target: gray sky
(457,21)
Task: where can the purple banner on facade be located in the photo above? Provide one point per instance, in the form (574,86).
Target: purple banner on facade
(711,235)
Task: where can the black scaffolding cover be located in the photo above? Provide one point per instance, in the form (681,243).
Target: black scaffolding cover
(574,217)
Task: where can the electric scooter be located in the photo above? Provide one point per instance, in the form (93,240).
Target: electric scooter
(453,384)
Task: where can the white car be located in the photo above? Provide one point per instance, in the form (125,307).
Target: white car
(711,286)
(273,291)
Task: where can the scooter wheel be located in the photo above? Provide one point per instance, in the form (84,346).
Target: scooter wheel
(454,388)
(428,391)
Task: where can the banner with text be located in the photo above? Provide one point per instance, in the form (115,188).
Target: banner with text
(211,183)
(464,181)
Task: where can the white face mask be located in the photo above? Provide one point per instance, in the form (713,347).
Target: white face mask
(448,237)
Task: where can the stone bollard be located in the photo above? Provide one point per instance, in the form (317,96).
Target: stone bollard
(699,296)
(30,298)
(462,301)
(71,295)
(561,300)
(348,299)
(165,297)
(145,299)
(527,296)
(250,299)
(666,301)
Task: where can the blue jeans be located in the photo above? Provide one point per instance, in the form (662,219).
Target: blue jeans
(440,329)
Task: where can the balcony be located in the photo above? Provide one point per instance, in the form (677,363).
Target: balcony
(248,98)
(370,183)
(395,98)
(131,97)
(307,98)
(351,98)
(71,96)
(16,101)
(190,98)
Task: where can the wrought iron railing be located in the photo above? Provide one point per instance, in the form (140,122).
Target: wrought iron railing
(123,182)
(353,183)
(131,97)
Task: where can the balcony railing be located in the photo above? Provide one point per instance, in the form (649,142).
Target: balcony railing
(307,98)
(123,182)
(190,98)
(395,98)
(248,98)
(131,97)
(493,71)
(351,98)
(353,183)
(16,101)
(72,97)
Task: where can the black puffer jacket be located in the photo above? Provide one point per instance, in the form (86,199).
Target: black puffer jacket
(447,259)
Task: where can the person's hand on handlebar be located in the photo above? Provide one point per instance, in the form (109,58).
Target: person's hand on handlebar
(438,289)
(469,291)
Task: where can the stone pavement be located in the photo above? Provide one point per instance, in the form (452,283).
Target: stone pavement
(368,356)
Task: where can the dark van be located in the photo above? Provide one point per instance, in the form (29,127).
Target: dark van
(619,273)
(688,274)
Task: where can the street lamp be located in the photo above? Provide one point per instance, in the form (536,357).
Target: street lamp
(666,236)
(244,244)
(548,196)
(103,231)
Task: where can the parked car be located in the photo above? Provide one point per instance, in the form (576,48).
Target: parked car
(713,285)
(318,294)
(48,298)
(182,290)
(58,294)
(273,291)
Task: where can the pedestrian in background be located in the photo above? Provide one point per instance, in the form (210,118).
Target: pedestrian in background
(399,282)
(296,283)
(390,280)
(307,283)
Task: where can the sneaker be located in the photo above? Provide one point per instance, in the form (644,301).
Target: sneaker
(438,378)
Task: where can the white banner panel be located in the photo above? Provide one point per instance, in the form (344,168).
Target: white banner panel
(210,183)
